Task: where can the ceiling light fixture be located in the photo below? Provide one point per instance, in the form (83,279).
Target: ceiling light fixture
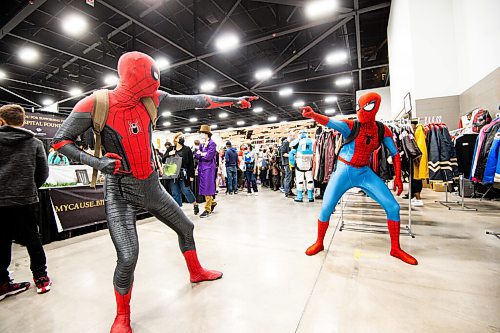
(47,102)
(343,81)
(193,120)
(162,63)
(331,99)
(263,74)
(320,8)
(258,109)
(167,123)
(298,104)
(187,129)
(272,118)
(2,75)
(207,86)
(28,55)
(223,115)
(286,92)
(74,25)
(335,58)
(227,42)
(166,114)
(330,111)
(240,123)
(75,92)
(111,80)
(214,126)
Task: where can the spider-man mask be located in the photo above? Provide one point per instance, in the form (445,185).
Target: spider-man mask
(367,107)
(139,75)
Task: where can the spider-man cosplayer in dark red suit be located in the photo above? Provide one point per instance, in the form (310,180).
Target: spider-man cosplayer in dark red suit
(131,180)
(353,171)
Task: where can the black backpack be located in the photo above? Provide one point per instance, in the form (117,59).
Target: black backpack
(355,132)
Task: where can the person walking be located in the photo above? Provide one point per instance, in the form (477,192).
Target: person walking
(206,156)
(231,158)
(287,172)
(24,169)
(250,169)
(181,185)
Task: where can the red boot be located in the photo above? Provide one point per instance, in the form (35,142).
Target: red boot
(122,320)
(196,272)
(318,246)
(395,249)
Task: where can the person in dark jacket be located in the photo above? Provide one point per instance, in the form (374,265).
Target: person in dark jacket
(231,157)
(23,170)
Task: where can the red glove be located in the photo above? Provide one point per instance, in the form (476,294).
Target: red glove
(244,103)
(118,161)
(398,183)
(308,112)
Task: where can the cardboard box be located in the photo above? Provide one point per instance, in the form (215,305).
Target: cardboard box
(440,186)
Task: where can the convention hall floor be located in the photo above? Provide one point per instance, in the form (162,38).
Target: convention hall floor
(269,284)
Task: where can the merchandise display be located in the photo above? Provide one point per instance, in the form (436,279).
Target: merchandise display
(237,135)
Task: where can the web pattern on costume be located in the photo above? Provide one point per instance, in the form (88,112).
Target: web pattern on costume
(365,144)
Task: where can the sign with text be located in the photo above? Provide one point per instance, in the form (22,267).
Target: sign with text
(78,207)
(44,125)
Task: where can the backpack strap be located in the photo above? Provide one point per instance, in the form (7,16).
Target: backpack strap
(150,106)
(381,132)
(353,135)
(99,118)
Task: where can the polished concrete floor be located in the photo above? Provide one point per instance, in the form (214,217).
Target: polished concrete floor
(269,284)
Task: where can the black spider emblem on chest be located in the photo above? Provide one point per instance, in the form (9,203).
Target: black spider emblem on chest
(134,127)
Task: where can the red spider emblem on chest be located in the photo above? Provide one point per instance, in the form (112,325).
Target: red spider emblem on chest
(134,127)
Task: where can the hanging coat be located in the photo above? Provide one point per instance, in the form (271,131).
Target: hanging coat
(435,172)
(492,164)
(207,168)
(421,167)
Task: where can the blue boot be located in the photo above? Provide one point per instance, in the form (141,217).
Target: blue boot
(310,195)
(299,196)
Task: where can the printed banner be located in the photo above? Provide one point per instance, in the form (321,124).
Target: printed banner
(44,125)
(79,206)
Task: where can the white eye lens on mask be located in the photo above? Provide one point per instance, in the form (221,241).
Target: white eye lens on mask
(370,106)
(357,107)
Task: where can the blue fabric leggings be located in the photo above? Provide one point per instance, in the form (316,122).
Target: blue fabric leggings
(346,177)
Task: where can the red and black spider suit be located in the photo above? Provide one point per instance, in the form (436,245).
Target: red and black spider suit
(353,171)
(131,180)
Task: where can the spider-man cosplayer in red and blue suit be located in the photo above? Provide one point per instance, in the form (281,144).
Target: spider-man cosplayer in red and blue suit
(353,170)
(131,179)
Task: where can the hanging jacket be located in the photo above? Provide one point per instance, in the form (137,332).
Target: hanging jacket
(330,156)
(421,167)
(492,164)
(447,155)
(433,149)
(482,157)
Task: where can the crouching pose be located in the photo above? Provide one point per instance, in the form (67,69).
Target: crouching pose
(361,138)
(131,179)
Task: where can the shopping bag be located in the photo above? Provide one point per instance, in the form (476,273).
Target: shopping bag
(172,167)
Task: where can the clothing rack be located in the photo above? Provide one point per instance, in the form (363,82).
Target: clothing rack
(461,203)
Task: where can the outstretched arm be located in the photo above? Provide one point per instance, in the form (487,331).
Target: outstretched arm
(79,121)
(186,102)
(396,159)
(343,126)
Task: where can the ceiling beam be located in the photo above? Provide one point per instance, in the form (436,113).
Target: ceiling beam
(358,42)
(19,96)
(229,13)
(21,16)
(300,3)
(307,48)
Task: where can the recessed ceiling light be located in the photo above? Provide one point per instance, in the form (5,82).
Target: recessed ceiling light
(75,92)
(28,54)
(240,122)
(336,57)
(207,86)
(187,129)
(111,80)
(330,111)
(331,99)
(320,8)
(47,102)
(343,81)
(193,120)
(263,74)
(286,92)
(272,118)
(162,63)
(298,104)
(166,114)
(227,42)
(2,75)
(167,123)
(223,115)
(214,126)
(74,25)
(257,110)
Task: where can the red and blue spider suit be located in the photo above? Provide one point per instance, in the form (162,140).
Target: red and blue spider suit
(131,179)
(353,171)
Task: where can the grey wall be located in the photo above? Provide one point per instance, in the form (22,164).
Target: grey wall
(447,107)
(484,94)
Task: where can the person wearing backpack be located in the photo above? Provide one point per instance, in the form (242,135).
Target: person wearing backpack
(23,170)
(124,117)
(363,137)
